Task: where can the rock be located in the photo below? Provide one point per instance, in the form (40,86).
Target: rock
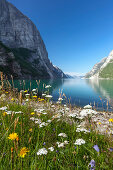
(22,39)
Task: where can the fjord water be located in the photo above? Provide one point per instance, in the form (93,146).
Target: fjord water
(79,92)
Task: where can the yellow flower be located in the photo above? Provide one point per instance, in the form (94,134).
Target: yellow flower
(35,96)
(13,136)
(12,99)
(99,123)
(110,120)
(32,113)
(23,152)
(5,113)
(25,91)
(6,92)
(30,130)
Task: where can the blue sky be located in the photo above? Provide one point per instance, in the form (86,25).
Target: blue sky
(77,33)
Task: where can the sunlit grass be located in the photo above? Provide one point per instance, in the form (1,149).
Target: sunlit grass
(25,129)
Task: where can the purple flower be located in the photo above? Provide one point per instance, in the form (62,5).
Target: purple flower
(75,147)
(57,151)
(53,129)
(111,149)
(44,143)
(96,148)
(92,163)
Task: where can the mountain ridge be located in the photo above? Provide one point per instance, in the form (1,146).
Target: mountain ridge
(19,33)
(103,69)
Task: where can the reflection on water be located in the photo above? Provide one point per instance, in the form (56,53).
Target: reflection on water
(79,91)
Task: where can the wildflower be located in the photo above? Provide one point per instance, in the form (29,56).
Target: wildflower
(32,113)
(99,123)
(72,115)
(42,151)
(49,121)
(11,149)
(33,90)
(34,96)
(5,113)
(27,100)
(13,136)
(63,135)
(30,130)
(66,142)
(23,152)
(44,143)
(82,130)
(79,142)
(3,108)
(27,94)
(88,107)
(44,113)
(60,99)
(25,91)
(96,148)
(48,96)
(12,99)
(6,91)
(60,145)
(43,124)
(48,86)
(92,163)
(110,120)
(51,149)
(111,149)
(43,94)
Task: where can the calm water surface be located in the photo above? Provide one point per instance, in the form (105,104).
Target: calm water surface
(80,92)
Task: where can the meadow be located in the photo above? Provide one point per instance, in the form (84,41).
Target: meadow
(37,134)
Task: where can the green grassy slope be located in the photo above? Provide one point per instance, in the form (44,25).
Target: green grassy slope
(107,72)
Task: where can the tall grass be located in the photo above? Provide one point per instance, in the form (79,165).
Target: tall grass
(23,120)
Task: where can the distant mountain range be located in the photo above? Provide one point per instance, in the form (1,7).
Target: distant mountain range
(103,69)
(22,50)
(70,75)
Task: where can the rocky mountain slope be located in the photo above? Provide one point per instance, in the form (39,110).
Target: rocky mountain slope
(20,36)
(103,69)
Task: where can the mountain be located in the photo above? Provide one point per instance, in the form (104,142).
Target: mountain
(103,69)
(20,37)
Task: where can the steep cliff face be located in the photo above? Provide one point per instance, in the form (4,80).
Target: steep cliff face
(18,32)
(103,69)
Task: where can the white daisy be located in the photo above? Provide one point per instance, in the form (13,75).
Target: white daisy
(51,149)
(42,151)
(79,142)
(62,135)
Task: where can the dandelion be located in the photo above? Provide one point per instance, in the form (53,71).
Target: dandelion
(34,96)
(110,120)
(79,142)
(13,136)
(23,152)
(99,123)
(12,99)
(51,149)
(30,130)
(32,113)
(5,113)
(62,135)
(42,151)
(96,148)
